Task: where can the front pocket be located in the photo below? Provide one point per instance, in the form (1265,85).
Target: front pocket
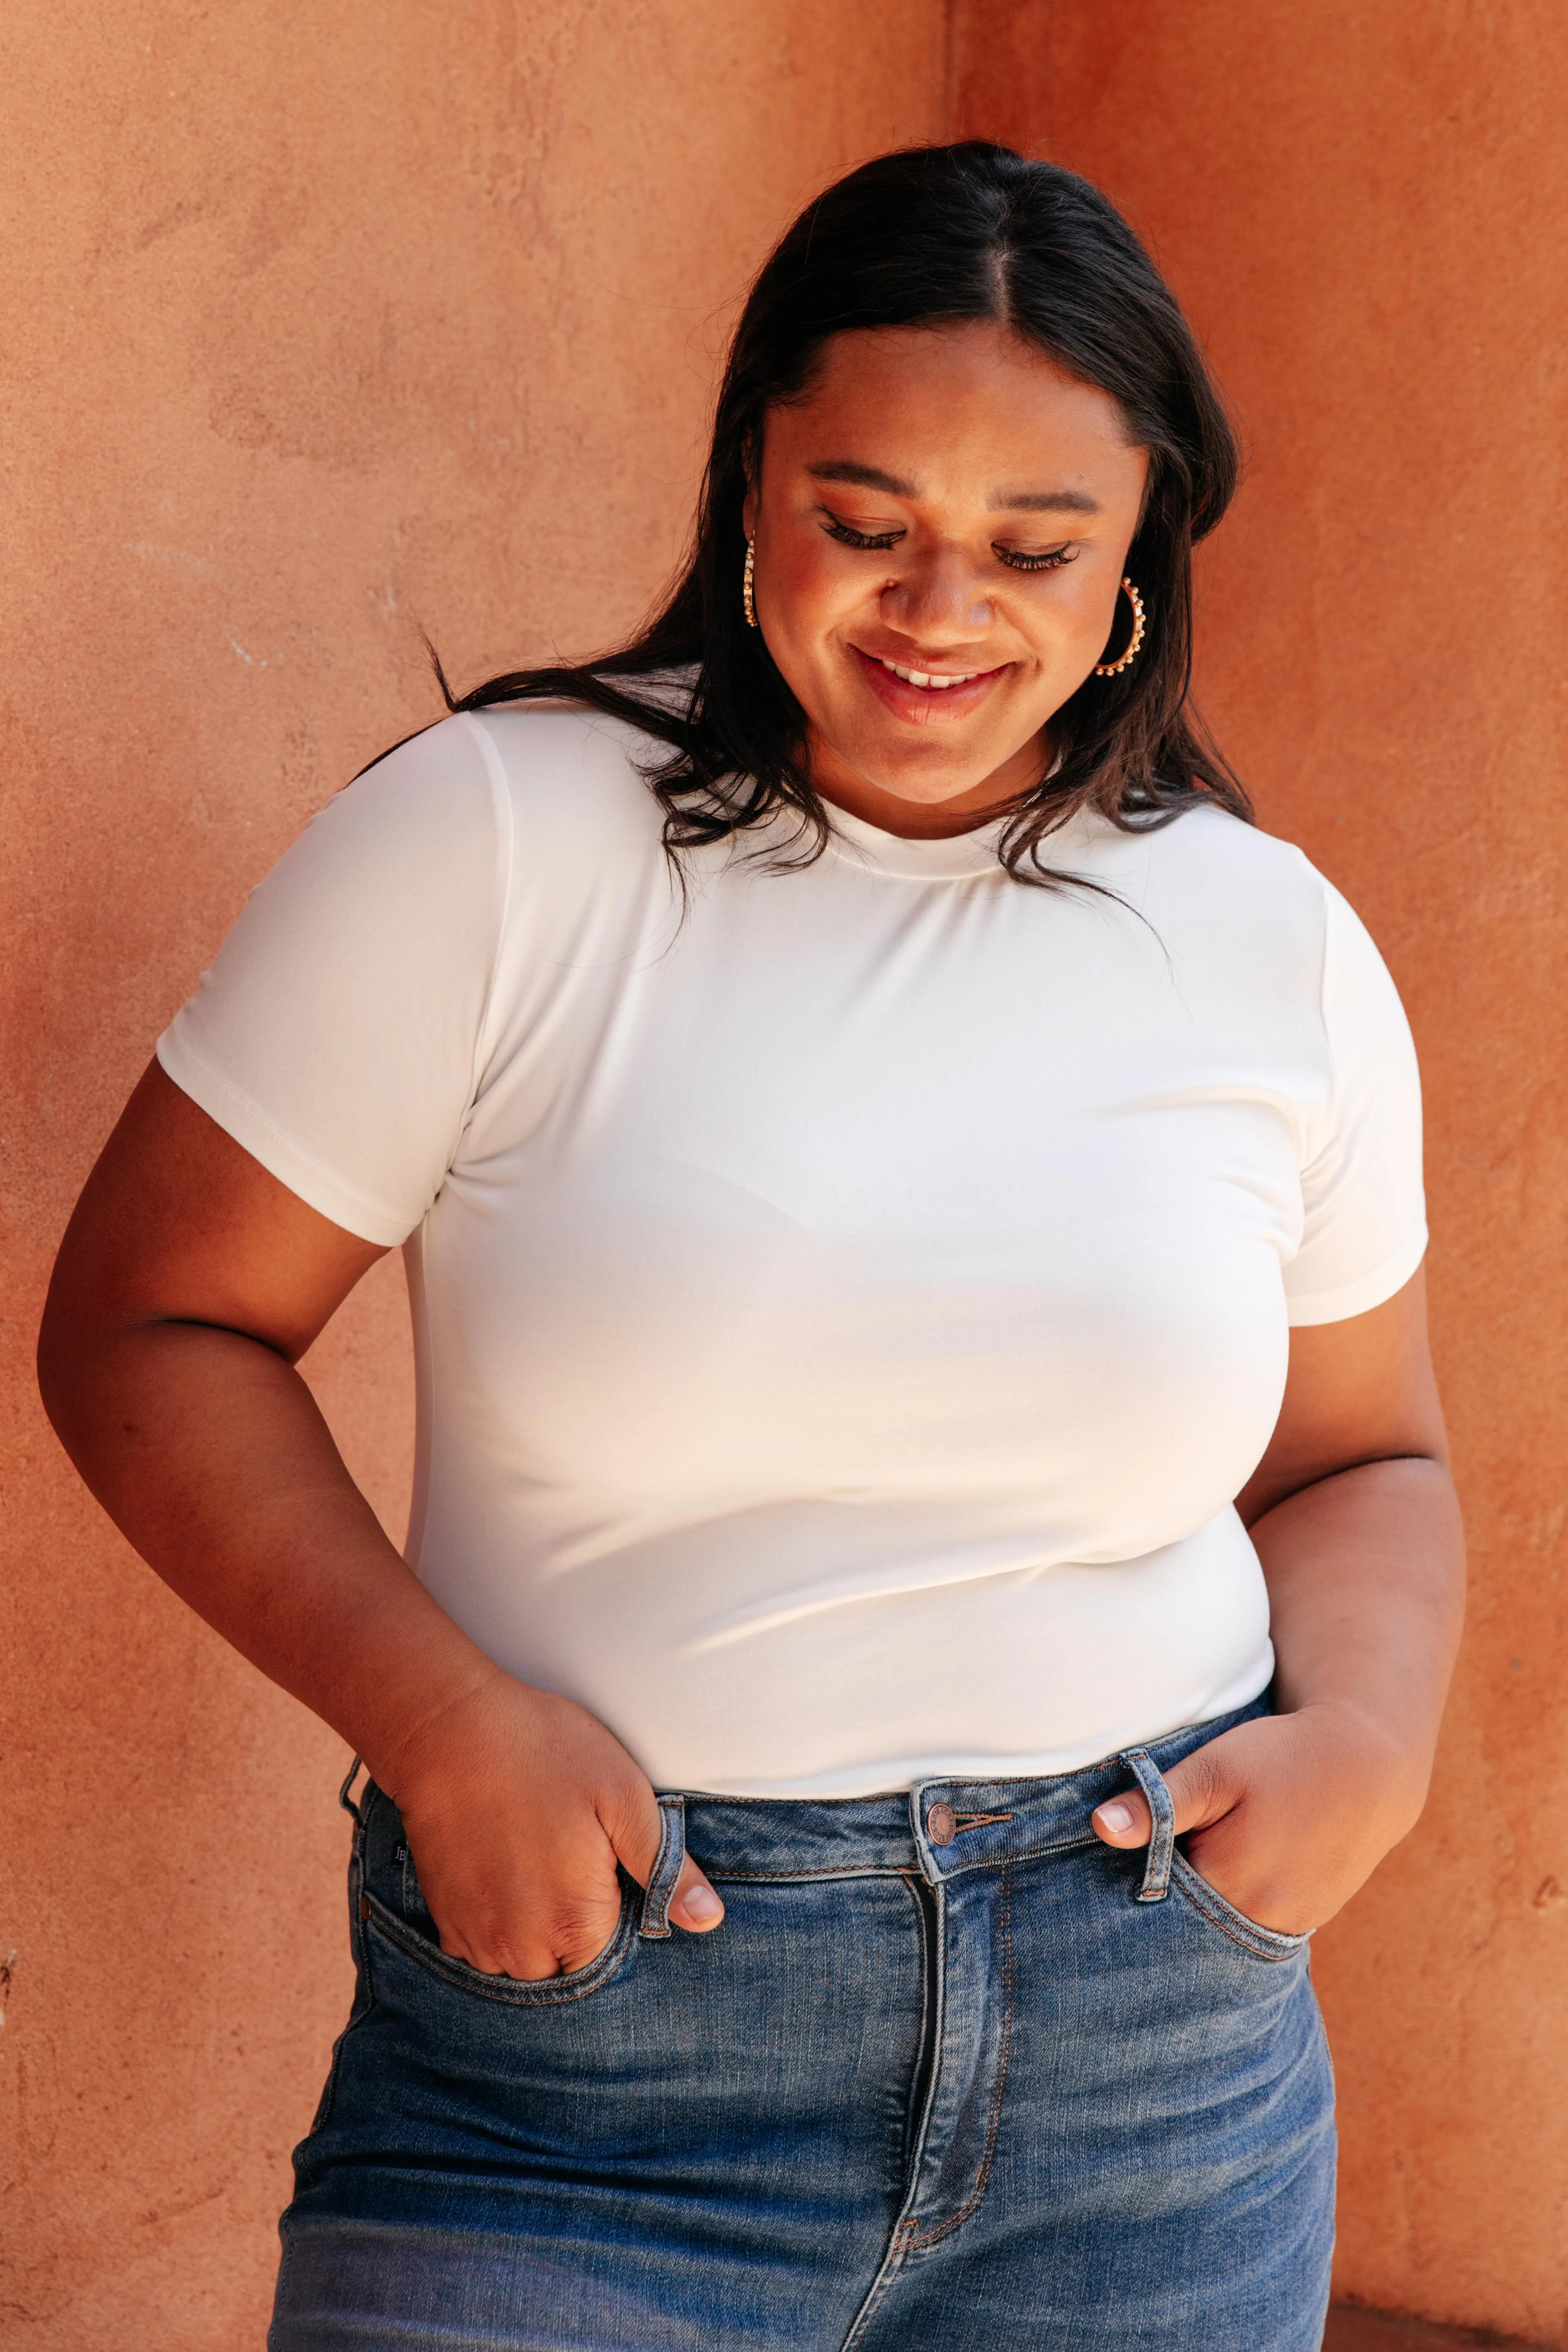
(513,1992)
(1263,1943)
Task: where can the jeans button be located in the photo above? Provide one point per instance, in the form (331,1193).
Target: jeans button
(941,1826)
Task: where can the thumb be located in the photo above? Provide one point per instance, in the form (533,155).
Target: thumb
(1201,1792)
(694,1904)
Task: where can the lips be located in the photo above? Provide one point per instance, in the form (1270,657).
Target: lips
(926,697)
(942,682)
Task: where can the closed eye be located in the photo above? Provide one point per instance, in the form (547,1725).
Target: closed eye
(848,536)
(1015,559)
(1051,561)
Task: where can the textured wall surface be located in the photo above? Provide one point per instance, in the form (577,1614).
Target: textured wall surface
(1364,209)
(324,325)
(321,324)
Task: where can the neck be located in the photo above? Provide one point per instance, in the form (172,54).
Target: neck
(994,795)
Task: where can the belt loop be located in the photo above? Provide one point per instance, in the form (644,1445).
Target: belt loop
(345,1799)
(668,1866)
(1162,1813)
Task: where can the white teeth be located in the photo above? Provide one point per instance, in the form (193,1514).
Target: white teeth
(924,678)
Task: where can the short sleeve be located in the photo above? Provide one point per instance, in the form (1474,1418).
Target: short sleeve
(337,1035)
(1364,1231)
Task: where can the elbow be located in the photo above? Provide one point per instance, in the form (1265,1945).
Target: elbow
(57,1362)
(68,1349)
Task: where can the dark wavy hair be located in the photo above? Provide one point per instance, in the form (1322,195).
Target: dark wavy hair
(921,238)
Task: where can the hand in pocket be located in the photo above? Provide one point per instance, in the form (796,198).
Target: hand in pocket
(1285,1816)
(518,1806)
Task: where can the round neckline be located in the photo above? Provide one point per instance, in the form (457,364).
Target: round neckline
(948,858)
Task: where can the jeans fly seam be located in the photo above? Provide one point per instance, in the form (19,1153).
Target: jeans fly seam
(916,2239)
(932,2018)
(935,2020)
(920,1894)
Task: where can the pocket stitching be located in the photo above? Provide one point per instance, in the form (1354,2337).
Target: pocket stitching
(1261,1943)
(512,1992)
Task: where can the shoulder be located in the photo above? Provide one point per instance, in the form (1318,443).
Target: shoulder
(1224,881)
(1254,912)
(566,769)
(431,786)
(535,781)
(1208,847)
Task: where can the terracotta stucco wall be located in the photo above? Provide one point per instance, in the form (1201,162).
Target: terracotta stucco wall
(1364,207)
(319,323)
(323,324)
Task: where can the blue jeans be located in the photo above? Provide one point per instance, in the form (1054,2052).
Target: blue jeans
(951,2074)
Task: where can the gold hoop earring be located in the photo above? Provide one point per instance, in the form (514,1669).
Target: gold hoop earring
(748,578)
(1110,669)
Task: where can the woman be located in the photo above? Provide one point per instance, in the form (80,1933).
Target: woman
(898,1177)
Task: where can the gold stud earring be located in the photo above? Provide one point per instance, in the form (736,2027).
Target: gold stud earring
(1110,669)
(747,579)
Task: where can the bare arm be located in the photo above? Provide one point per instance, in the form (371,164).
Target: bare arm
(189,1284)
(1356,1523)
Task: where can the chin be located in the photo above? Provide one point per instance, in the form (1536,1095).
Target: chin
(929,782)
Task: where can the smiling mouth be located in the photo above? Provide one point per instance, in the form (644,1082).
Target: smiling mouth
(922,697)
(936,679)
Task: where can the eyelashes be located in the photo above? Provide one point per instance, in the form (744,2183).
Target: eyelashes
(1051,562)
(848,537)
(842,532)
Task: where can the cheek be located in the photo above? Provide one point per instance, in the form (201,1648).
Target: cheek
(809,591)
(1080,620)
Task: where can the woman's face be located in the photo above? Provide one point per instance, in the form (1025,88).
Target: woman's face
(943,504)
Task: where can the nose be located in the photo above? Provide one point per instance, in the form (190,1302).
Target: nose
(937,596)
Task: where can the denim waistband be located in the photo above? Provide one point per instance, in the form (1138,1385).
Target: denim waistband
(938,1830)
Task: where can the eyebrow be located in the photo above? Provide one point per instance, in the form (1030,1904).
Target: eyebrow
(863,478)
(1043,502)
(872,477)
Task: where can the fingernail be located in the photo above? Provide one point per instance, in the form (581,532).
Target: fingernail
(699,1904)
(1116,1817)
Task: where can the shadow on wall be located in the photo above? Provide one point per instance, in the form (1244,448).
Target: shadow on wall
(1349,2330)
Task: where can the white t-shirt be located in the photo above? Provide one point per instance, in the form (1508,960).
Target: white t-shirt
(845,1316)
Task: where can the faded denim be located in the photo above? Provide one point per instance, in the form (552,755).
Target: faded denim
(1012,2089)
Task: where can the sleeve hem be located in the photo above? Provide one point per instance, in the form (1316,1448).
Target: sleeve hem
(1359,1298)
(255,1132)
